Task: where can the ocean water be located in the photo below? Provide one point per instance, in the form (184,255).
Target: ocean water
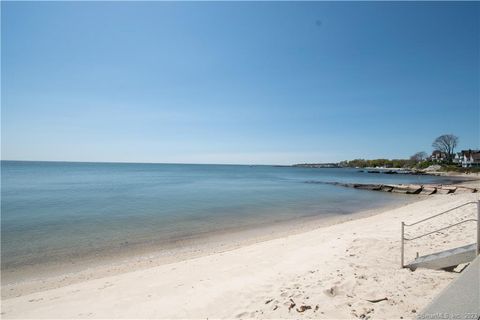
(59,210)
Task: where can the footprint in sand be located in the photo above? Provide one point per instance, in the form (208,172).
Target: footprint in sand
(106,285)
(85,314)
(331,292)
(245,315)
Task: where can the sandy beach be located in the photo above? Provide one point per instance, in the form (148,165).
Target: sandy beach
(239,160)
(329,272)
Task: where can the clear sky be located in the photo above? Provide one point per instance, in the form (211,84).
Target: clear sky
(218,82)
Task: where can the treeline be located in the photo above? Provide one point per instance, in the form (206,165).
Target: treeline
(443,156)
(386,163)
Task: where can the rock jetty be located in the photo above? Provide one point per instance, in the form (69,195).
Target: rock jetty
(425,189)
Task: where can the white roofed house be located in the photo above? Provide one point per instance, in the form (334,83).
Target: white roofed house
(470,158)
(457,159)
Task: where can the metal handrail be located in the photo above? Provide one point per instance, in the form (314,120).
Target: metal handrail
(438,230)
(403,239)
(439,214)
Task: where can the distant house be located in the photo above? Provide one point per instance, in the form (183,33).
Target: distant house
(458,158)
(438,156)
(469,158)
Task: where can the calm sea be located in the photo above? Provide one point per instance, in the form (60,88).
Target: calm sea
(55,210)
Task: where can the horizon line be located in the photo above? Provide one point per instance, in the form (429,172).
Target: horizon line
(128,162)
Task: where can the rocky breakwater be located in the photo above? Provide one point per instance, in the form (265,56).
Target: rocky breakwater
(425,189)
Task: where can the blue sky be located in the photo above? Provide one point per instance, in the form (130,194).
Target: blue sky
(219,82)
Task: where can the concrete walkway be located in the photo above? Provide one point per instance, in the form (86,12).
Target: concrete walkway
(460,300)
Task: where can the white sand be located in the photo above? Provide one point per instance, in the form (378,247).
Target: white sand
(336,268)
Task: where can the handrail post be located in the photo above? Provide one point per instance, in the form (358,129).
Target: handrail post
(402,244)
(478,227)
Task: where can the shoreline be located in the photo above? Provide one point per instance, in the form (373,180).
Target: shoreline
(38,277)
(327,272)
(35,278)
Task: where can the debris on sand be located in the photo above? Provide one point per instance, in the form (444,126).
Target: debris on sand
(303,308)
(377,300)
(292,305)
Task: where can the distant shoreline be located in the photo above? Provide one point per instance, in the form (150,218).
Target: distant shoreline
(407,171)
